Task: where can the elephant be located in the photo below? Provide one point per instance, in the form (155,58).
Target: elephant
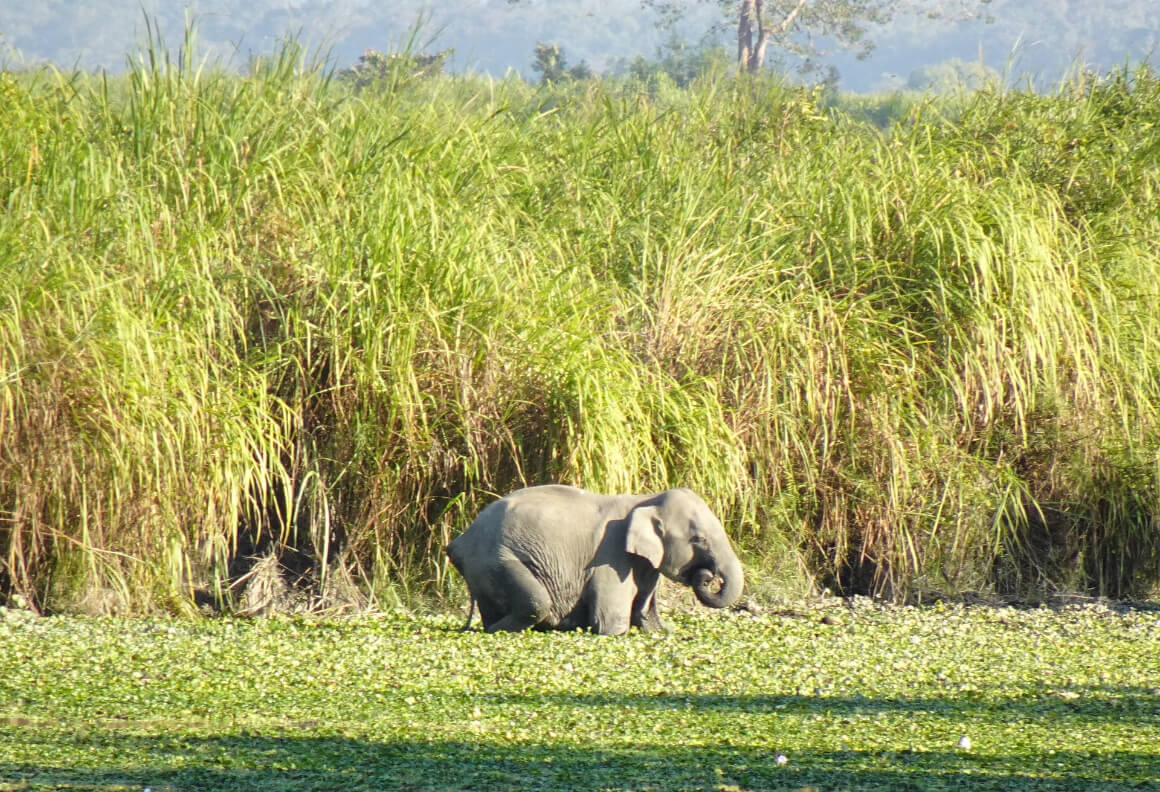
(559,557)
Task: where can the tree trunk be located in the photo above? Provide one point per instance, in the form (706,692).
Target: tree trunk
(745,23)
(757,58)
(753,34)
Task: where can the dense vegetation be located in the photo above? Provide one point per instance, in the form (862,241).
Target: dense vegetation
(869,699)
(275,316)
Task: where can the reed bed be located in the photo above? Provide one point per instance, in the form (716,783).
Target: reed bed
(273,316)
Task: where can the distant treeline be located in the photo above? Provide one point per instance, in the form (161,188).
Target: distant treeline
(286,321)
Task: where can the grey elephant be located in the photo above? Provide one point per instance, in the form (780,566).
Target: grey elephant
(558,557)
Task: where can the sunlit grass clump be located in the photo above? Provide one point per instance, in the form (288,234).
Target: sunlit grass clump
(269,313)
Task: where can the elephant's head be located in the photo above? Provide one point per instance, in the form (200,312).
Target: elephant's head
(680,537)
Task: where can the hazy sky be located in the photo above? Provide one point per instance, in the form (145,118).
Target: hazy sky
(493,35)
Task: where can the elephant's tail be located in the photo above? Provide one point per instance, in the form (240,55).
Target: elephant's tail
(453,553)
(470,614)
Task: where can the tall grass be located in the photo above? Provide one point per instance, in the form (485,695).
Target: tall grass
(268,314)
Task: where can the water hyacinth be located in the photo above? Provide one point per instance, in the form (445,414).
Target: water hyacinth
(1060,699)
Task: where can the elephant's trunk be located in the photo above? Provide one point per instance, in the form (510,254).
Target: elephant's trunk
(732,579)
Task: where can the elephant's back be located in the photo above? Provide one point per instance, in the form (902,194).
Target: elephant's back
(549,493)
(563,502)
(556,514)
(526,520)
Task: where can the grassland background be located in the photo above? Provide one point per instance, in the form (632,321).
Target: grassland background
(270,316)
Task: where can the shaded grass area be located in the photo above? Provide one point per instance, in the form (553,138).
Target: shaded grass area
(871,699)
(296,762)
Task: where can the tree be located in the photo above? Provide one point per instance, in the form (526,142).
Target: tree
(552,65)
(798,27)
(677,61)
(549,62)
(394,69)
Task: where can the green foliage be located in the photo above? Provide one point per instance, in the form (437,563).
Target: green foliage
(549,62)
(265,316)
(676,64)
(1061,701)
(393,70)
(552,65)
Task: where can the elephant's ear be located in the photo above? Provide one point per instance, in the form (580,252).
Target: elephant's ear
(643,538)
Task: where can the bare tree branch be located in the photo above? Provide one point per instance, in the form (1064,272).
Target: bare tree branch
(791,16)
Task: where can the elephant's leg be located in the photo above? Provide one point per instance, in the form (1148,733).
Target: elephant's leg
(644,607)
(489,612)
(526,600)
(648,619)
(610,594)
